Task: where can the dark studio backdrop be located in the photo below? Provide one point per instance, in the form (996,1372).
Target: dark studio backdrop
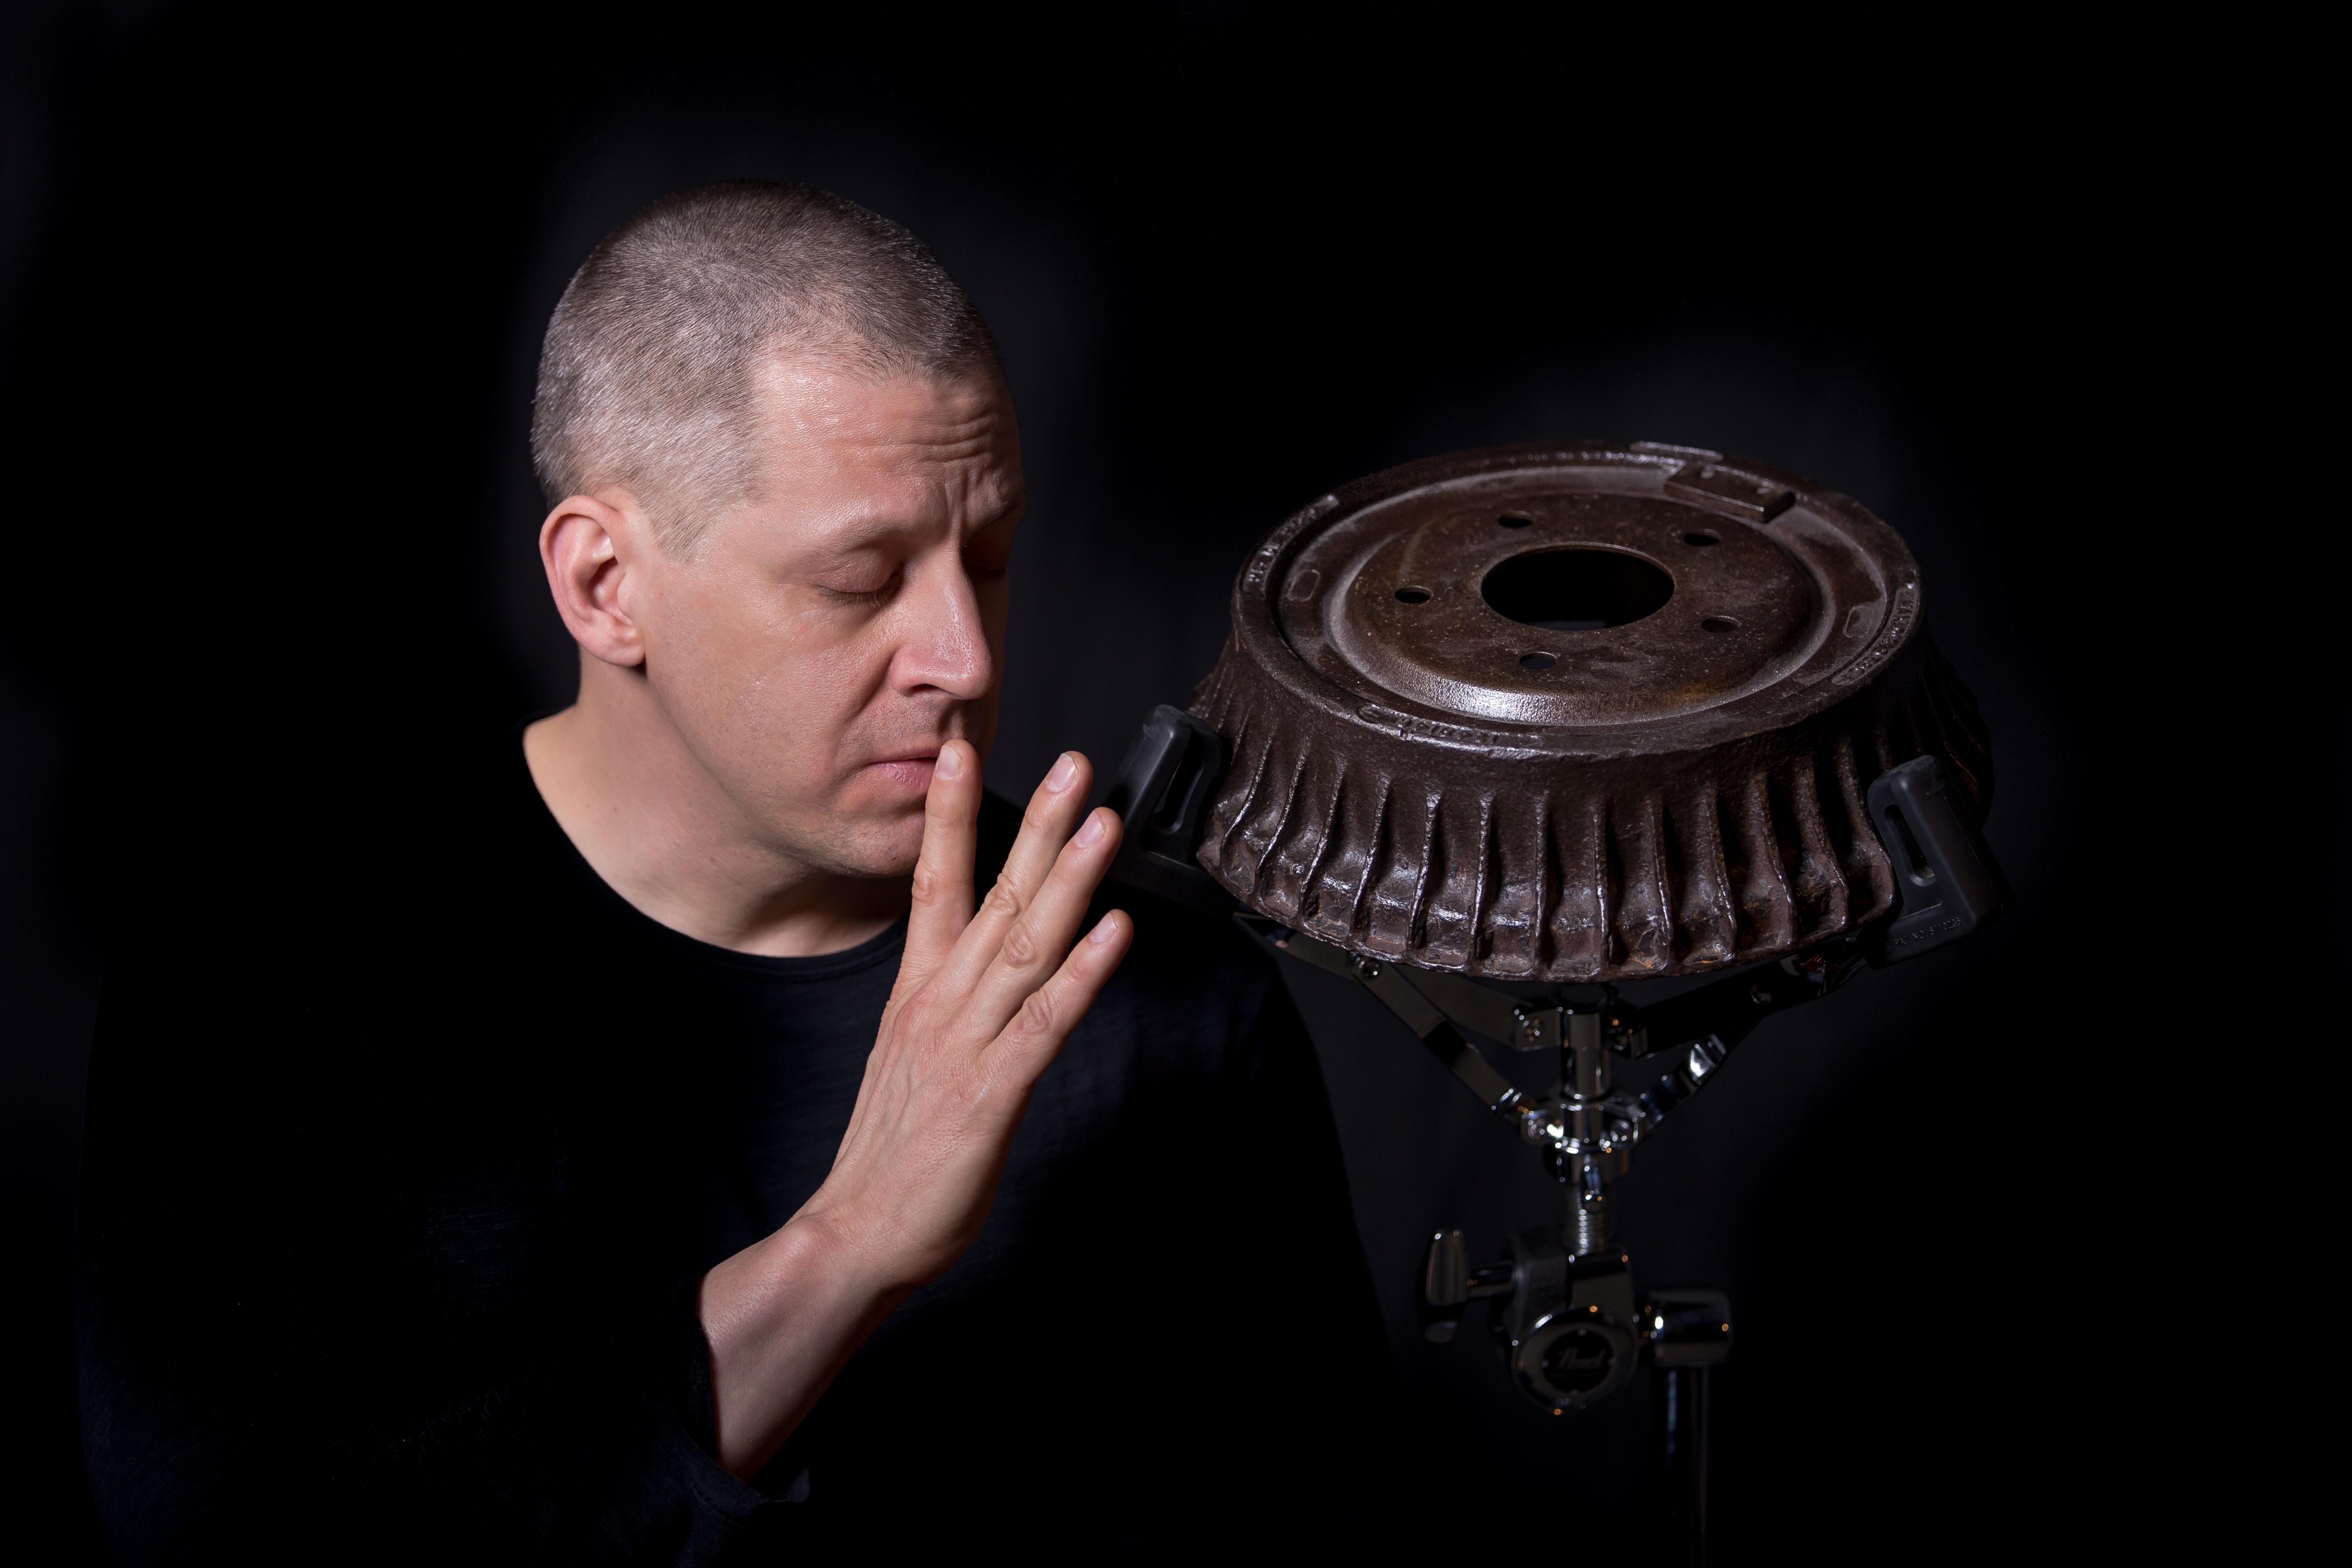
(273,302)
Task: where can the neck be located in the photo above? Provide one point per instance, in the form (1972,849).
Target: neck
(647,815)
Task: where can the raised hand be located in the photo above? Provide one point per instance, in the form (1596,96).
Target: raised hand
(985,999)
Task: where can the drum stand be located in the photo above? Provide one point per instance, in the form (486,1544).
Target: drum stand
(1564,1313)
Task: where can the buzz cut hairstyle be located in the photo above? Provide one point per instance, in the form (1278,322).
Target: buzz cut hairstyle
(648,377)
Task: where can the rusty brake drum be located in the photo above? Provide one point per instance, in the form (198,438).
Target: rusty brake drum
(1574,712)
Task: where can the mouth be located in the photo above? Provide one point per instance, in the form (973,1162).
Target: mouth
(911,773)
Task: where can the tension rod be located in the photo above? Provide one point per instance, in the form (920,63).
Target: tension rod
(1417,1012)
(1445,1043)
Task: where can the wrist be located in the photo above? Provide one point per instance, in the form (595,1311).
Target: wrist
(783,1317)
(839,1258)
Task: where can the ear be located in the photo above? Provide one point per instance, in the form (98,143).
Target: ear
(589,545)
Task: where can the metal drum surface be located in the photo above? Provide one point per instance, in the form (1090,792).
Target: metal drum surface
(1574,712)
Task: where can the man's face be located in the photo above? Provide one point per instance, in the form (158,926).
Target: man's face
(827,636)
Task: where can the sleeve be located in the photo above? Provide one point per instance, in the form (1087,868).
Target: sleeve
(316,1325)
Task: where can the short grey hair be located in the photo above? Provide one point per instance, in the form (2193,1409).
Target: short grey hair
(648,379)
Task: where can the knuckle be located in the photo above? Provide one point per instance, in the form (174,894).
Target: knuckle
(929,887)
(1039,1013)
(1020,945)
(1004,897)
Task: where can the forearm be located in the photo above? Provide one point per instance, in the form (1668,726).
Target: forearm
(784,1317)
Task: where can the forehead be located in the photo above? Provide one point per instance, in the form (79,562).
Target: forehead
(824,427)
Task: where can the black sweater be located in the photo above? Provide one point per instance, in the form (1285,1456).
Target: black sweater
(399,1184)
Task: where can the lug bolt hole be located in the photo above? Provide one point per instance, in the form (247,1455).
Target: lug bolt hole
(1413,595)
(1536,661)
(1699,539)
(1513,520)
(1720,624)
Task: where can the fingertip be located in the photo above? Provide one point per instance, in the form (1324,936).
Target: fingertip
(1110,928)
(952,774)
(1099,824)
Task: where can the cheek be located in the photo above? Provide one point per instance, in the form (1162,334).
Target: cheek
(712,649)
(742,664)
(801,691)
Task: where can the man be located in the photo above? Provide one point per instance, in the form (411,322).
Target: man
(666,1156)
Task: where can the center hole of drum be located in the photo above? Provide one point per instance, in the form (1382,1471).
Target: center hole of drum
(1576,590)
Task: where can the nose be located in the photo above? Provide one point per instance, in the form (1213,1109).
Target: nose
(944,645)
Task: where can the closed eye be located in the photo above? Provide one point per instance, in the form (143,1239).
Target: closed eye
(862,595)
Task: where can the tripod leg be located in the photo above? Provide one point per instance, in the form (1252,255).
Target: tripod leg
(1682,1423)
(1700,1420)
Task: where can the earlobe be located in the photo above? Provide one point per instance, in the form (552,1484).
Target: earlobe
(581,546)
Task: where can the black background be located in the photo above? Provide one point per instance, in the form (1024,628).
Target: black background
(273,299)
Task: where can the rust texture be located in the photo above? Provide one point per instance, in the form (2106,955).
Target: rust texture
(1577,711)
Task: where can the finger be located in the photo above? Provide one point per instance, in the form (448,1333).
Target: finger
(941,898)
(1053,812)
(1037,1033)
(1042,933)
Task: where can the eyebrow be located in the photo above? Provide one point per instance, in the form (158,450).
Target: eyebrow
(1015,502)
(873,530)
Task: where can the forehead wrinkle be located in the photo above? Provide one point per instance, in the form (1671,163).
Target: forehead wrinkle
(971,502)
(942,451)
(846,436)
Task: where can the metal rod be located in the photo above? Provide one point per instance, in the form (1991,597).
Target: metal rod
(1584,1085)
(1683,1423)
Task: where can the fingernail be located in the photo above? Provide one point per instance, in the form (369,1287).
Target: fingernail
(1091,833)
(1104,929)
(1063,772)
(951,762)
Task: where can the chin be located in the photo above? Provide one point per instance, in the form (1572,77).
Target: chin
(862,845)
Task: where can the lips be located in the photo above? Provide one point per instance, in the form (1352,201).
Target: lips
(912,772)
